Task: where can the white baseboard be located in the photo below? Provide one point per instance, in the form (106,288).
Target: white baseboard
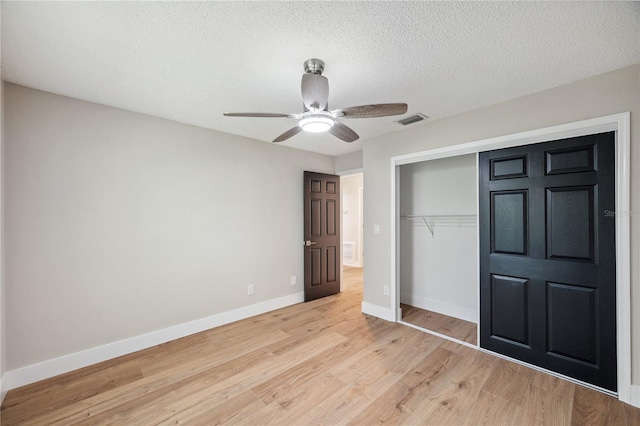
(634,396)
(377,311)
(53,367)
(440,307)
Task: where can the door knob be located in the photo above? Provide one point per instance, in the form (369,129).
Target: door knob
(309,243)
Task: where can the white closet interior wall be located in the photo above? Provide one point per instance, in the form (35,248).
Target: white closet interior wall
(438,271)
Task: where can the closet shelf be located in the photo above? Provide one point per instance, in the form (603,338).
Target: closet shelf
(435,220)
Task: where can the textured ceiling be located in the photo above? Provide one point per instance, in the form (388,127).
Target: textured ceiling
(190,62)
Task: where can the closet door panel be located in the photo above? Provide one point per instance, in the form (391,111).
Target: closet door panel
(509,222)
(570,223)
(579,159)
(510,313)
(509,168)
(572,321)
(547,256)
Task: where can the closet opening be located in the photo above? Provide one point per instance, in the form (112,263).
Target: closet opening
(438,246)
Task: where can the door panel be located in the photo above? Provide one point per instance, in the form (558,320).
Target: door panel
(510,319)
(508,168)
(571,319)
(570,225)
(315,273)
(315,218)
(332,217)
(322,235)
(547,256)
(509,222)
(570,160)
(332,270)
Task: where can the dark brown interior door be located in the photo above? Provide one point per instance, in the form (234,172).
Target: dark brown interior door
(547,256)
(321,235)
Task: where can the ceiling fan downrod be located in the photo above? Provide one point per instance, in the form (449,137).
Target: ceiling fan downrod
(314,66)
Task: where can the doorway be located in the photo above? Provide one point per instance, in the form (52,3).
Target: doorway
(352,189)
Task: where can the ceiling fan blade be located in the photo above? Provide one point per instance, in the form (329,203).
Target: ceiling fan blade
(289,133)
(343,132)
(315,91)
(374,110)
(258,114)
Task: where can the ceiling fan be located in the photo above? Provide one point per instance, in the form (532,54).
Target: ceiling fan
(316,116)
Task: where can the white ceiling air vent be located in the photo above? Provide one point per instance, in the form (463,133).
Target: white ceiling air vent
(415,118)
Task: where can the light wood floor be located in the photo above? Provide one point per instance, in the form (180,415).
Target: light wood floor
(443,324)
(321,362)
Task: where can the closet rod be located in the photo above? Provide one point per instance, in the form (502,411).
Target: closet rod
(431,220)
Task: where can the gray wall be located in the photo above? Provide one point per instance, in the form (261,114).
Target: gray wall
(609,93)
(118,224)
(347,162)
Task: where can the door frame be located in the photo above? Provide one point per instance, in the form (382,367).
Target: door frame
(621,124)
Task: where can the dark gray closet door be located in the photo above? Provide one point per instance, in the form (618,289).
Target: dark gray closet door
(547,256)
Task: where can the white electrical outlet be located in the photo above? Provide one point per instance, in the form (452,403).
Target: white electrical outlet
(250,289)
(386,290)
(376,229)
(294,280)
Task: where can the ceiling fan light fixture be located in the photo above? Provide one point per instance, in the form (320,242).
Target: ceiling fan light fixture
(316,123)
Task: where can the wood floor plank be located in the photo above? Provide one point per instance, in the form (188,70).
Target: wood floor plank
(270,390)
(392,407)
(59,396)
(322,362)
(294,404)
(458,391)
(491,410)
(457,348)
(242,378)
(410,392)
(509,381)
(224,352)
(135,410)
(632,415)
(594,408)
(48,386)
(397,352)
(210,412)
(262,416)
(549,383)
(546,407)
(341,407)
(443,324)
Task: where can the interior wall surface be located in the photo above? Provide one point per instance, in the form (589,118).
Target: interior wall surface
(348,162)
(610,93)
(439,269)
(119,224)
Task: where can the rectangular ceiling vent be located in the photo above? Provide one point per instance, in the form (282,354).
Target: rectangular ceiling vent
(412,119)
